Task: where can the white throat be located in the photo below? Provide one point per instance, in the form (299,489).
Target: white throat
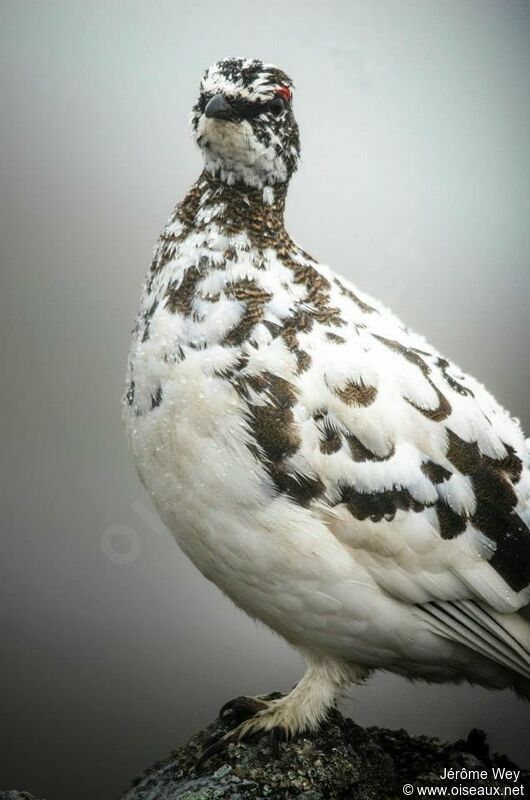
(233,153)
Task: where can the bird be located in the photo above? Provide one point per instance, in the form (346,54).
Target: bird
(329,470)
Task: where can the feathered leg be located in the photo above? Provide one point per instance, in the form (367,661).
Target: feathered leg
(303,709)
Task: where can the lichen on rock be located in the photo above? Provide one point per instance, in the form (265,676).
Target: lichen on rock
(340,761)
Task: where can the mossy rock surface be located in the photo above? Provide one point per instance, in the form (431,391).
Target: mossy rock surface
(14,794)
(341,761)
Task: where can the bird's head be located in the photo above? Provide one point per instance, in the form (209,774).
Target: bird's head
(244,124)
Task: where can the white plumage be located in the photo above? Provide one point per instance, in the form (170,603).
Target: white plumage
(323,465)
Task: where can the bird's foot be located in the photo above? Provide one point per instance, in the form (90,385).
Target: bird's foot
(284,716)
(252,716)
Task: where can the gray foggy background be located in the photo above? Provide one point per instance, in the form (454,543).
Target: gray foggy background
(414,183)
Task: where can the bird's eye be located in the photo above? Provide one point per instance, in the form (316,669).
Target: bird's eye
(277,105)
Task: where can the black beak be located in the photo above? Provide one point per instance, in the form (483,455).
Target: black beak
(219,108)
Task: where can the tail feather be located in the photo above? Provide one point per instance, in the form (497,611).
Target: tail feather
(485,632)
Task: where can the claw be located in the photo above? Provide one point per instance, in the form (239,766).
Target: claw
(210,740)
(245,717)
(216,747)
(242,708)
(276,736)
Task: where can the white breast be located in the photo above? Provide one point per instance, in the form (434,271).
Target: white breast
(278,561)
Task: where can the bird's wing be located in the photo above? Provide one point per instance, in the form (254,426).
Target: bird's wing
(413,464)
(424,442)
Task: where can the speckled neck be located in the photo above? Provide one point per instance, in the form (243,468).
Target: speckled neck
(232,211)
(236,207)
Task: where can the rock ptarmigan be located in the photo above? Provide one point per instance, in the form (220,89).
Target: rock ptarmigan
(324,466)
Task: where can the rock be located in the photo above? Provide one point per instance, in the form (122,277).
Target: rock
(13,794)
(341,761)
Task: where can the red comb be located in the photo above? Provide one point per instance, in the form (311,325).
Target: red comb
(284,92)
